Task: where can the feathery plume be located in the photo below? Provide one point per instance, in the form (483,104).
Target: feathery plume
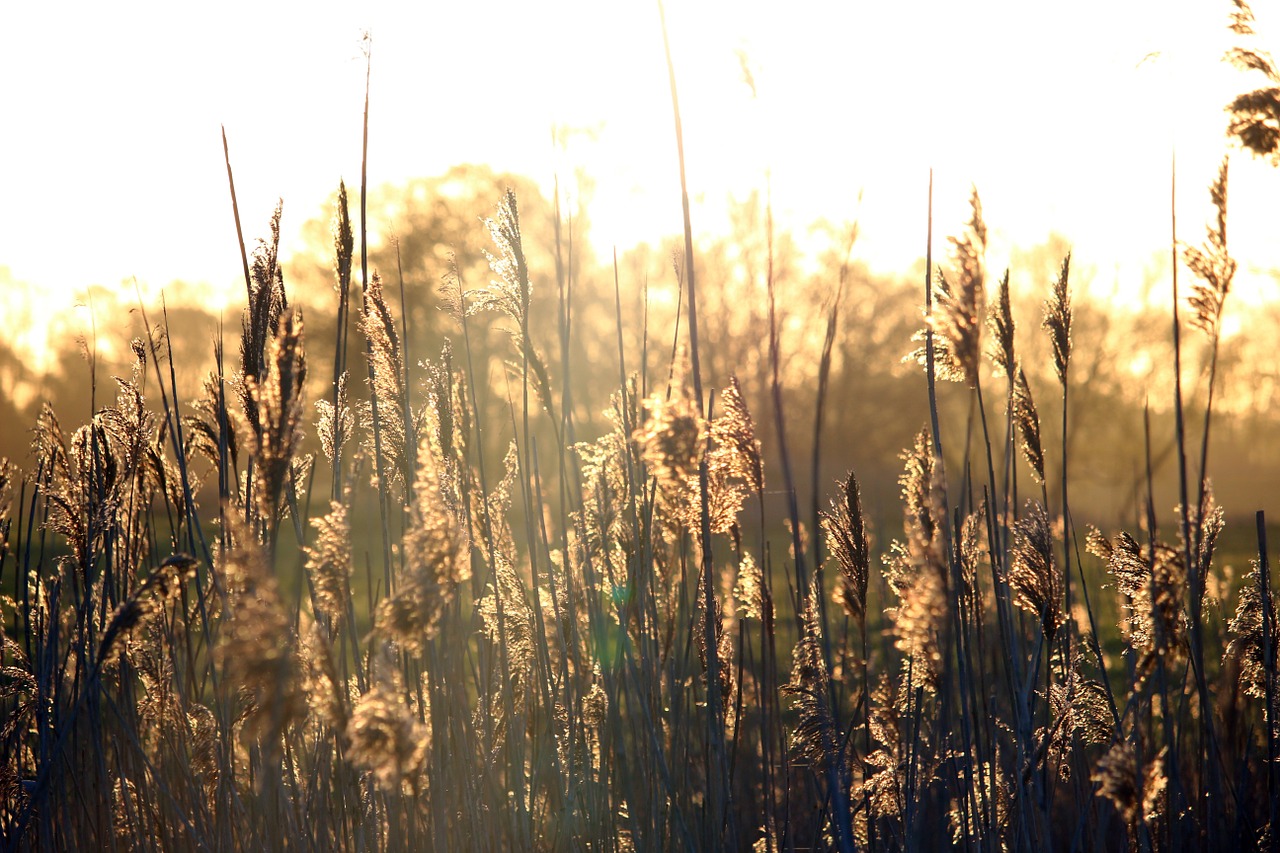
(513,631)
(329,563)
(267,302)
(1028,422)
(335,424)
(163,585)
(917,570)
(1033,574)
(748,590)
(1255,115)
(1135,791)
(278,401)
(257,649)
(1000,324)
(388,386)
(723,640)
(1057,320)
(958,312)
(511,293)
(435,563)
(203,430)
(735,448)
(385,738)
(847,540)
(343,243)
(1212,263)
(814,736)
(8,475)
(671,438)
(1249,636)
(1152,584)
(973,550)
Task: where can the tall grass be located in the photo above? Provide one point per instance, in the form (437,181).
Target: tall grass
(211,641)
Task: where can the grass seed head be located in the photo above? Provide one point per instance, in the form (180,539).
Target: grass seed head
(329,562)
(1000,324)
(847,540)
(1212,264)
(1033,573)
(1057,320)
(1028,422)
(384,737)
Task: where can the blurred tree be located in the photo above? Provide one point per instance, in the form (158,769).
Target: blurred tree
(91,345)
(420,232)
(414,230)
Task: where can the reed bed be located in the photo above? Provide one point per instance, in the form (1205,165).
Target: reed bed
(215,639)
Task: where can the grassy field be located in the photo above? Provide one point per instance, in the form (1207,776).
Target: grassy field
(470,622)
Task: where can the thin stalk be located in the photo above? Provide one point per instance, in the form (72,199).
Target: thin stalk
(379,460)
(718,767)
(235,210)
(1190,538)
(1269,668)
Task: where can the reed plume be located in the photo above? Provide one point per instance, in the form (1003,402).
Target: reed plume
(735,450)
(1212,263)
(162,586)
(847,540)
(671,438)
(1255,115)
(748,589)
(723,641)
(209,426)
(435,563)
(607,490)
(958,316)
(1033,574)
(1057,320)
(277,399)
(1135,790)
(259,325)
(814,736)
(329,563)
(512,293)
(1028,423)
(9,474)
(1001,326)
(257,650)
(1254,638)
(508,622)
(389,402)
(335,422)
(384,737)
(1152,581)
(916,570)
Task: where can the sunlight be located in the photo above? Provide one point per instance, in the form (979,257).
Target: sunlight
(1066,125)
(460,485)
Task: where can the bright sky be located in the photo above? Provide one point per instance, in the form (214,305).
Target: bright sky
(111,162)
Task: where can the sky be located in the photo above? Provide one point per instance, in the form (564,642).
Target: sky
(1065,116)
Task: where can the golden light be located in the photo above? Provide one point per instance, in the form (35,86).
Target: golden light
(1066,122)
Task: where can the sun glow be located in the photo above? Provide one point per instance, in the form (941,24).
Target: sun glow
(1065,121)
